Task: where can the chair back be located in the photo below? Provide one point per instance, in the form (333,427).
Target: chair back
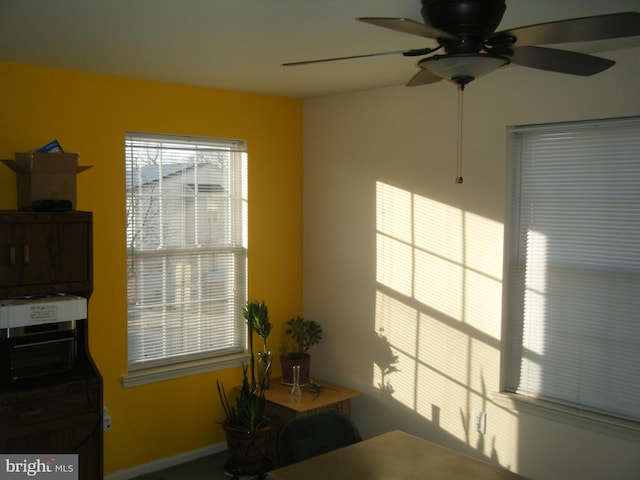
(314,434)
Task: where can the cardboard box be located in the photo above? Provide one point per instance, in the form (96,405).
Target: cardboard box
(45,176)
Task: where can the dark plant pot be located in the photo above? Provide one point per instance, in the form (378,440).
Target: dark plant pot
(289,360)
(248,448)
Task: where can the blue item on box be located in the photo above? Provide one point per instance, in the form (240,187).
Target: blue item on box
(52,147)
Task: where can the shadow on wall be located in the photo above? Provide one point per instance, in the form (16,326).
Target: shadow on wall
(387,361)
(437,322)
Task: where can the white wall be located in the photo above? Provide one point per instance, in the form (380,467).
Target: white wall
(394,250)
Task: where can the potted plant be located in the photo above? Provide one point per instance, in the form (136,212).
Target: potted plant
(247,428)
(257,314)
(303,334)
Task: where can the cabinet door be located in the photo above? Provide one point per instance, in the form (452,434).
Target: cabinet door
(80,436)
(55,418)
(46,255)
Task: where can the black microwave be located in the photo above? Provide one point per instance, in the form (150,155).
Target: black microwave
(37,350)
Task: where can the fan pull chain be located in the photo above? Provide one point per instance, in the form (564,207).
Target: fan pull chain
(459,152)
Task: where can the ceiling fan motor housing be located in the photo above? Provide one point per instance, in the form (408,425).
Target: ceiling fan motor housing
(472,21)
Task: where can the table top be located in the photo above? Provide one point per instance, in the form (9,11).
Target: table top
(328,395)
(394,454)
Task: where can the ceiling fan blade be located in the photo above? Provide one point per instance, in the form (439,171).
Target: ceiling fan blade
(406,25)
(306,62)
(423,77)
(561,61)
(600,27)
(416,52)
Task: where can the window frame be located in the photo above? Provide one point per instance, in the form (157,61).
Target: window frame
(231,242)
(577,415)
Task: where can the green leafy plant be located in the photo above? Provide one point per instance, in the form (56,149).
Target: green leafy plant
(249,408)
(257,317)
(304,334)
(257,314)
(248,412)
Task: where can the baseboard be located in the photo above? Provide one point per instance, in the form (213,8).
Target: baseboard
(167,462)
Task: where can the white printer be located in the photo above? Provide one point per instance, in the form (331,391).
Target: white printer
(38,335)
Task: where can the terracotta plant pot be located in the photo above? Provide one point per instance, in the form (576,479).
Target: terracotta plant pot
(248,448)
(289,360)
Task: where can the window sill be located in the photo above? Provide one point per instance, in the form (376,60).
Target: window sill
(168,372)
(576,417)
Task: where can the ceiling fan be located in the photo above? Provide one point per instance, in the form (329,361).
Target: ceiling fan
(470,46)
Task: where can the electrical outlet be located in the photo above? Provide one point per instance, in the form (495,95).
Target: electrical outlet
(106,419)
(480,422)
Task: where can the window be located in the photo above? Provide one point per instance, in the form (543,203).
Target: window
(187,248)
(573,287)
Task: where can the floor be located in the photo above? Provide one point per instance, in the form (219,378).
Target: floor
(210,468)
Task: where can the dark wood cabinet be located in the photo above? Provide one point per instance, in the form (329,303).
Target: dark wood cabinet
(59,415)
(46,254)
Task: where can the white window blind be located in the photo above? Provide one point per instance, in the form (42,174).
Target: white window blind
(187,248)
(573,289)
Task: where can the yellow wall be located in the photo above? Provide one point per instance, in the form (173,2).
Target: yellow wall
(90,114)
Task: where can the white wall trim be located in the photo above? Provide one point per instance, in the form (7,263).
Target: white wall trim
(168,372)
(577,417)
(167,462)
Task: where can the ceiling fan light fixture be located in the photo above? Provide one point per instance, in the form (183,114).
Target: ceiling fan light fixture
(463,68)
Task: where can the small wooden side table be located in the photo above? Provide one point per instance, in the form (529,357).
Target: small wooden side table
(281,409)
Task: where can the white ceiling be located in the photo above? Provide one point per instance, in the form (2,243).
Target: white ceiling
(240,44)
